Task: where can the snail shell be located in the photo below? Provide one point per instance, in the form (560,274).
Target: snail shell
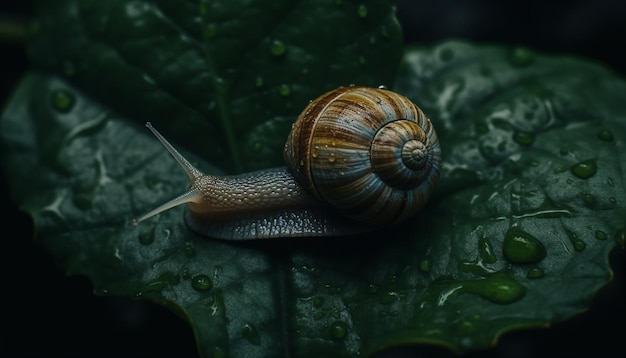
(368,153)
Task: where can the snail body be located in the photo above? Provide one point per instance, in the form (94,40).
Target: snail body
(357,158)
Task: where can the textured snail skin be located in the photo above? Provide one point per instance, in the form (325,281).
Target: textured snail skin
(357,158)
(262,204)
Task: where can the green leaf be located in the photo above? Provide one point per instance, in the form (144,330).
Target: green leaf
(530,201)
(238,71)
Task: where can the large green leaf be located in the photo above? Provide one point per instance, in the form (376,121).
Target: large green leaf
(530,201)
(238,71)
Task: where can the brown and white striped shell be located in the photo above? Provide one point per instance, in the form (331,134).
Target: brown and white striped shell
(369,152)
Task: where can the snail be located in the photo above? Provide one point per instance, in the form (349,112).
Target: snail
(358,158)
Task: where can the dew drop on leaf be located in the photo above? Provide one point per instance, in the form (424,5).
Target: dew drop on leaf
(521,247)
(284,90)
(498,288)
(388,297)
(333,290)
(277,48)
(251,334)
(425,264)
(521,57)
(600,235)
(585,169)
(535,272)
(579,245)
(201,283)
(588,199)
(523,138)
(362,11)
(338,330)
(189,249)
(210,30)
(63,100)
(605,135)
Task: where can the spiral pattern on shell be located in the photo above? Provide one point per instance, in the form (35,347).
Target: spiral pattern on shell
(369,152)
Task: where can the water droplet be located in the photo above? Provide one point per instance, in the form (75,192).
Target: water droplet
(521,247)
(579,245)
(284,90)
(63,100)
(251,334)
(156,285)
(332,158)
(498,288)
(333,290)
(277,48)
(523,138)
(147,237)
(318,315)
(585,169)
(372,288)
(521,56)
(210,30)
(259,81)
(588,199)
(338,330)
(425,264)
(605,135)
(201,283)
(535,272)
(362,11)
(600,235)
(189,249)
(446,55)
(388,297)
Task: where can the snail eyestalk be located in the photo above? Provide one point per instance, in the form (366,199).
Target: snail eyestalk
(193,195)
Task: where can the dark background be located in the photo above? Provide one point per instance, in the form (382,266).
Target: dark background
(45,313)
